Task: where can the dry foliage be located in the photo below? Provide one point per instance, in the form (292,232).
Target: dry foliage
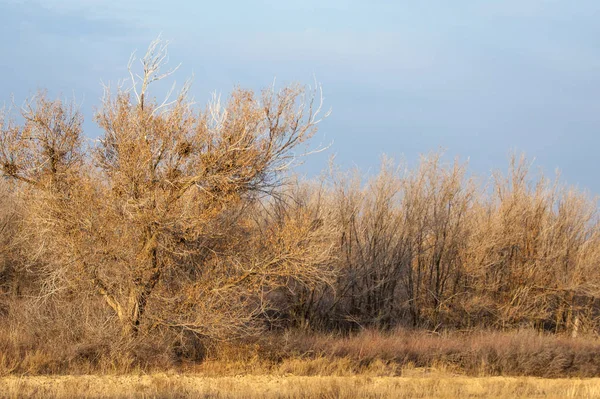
(157,218)
(179,227)
(431,248)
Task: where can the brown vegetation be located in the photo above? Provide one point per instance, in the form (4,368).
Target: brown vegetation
(180,231)
(179,386)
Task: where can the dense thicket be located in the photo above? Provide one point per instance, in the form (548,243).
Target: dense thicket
(179,227)
(429,247)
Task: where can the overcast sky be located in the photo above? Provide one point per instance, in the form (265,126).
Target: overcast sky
(477,78)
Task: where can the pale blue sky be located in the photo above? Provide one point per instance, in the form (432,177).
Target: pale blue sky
(478,78)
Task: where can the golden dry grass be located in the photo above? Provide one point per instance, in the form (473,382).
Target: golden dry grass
(371,353)
(415,385)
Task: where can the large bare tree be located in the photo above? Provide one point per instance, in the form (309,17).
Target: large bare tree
(156,214)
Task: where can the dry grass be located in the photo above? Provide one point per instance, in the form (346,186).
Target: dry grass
(370,353)
(179,386)
(482,353)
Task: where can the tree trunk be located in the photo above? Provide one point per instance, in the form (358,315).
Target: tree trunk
(575,329)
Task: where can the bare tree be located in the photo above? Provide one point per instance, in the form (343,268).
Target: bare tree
(149,213)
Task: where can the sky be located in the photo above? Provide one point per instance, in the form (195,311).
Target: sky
(478,79)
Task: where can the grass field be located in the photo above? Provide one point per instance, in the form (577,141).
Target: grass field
(415,384)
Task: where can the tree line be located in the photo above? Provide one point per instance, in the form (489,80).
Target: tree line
(179,222)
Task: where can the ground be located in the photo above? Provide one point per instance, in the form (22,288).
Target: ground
(413,384)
